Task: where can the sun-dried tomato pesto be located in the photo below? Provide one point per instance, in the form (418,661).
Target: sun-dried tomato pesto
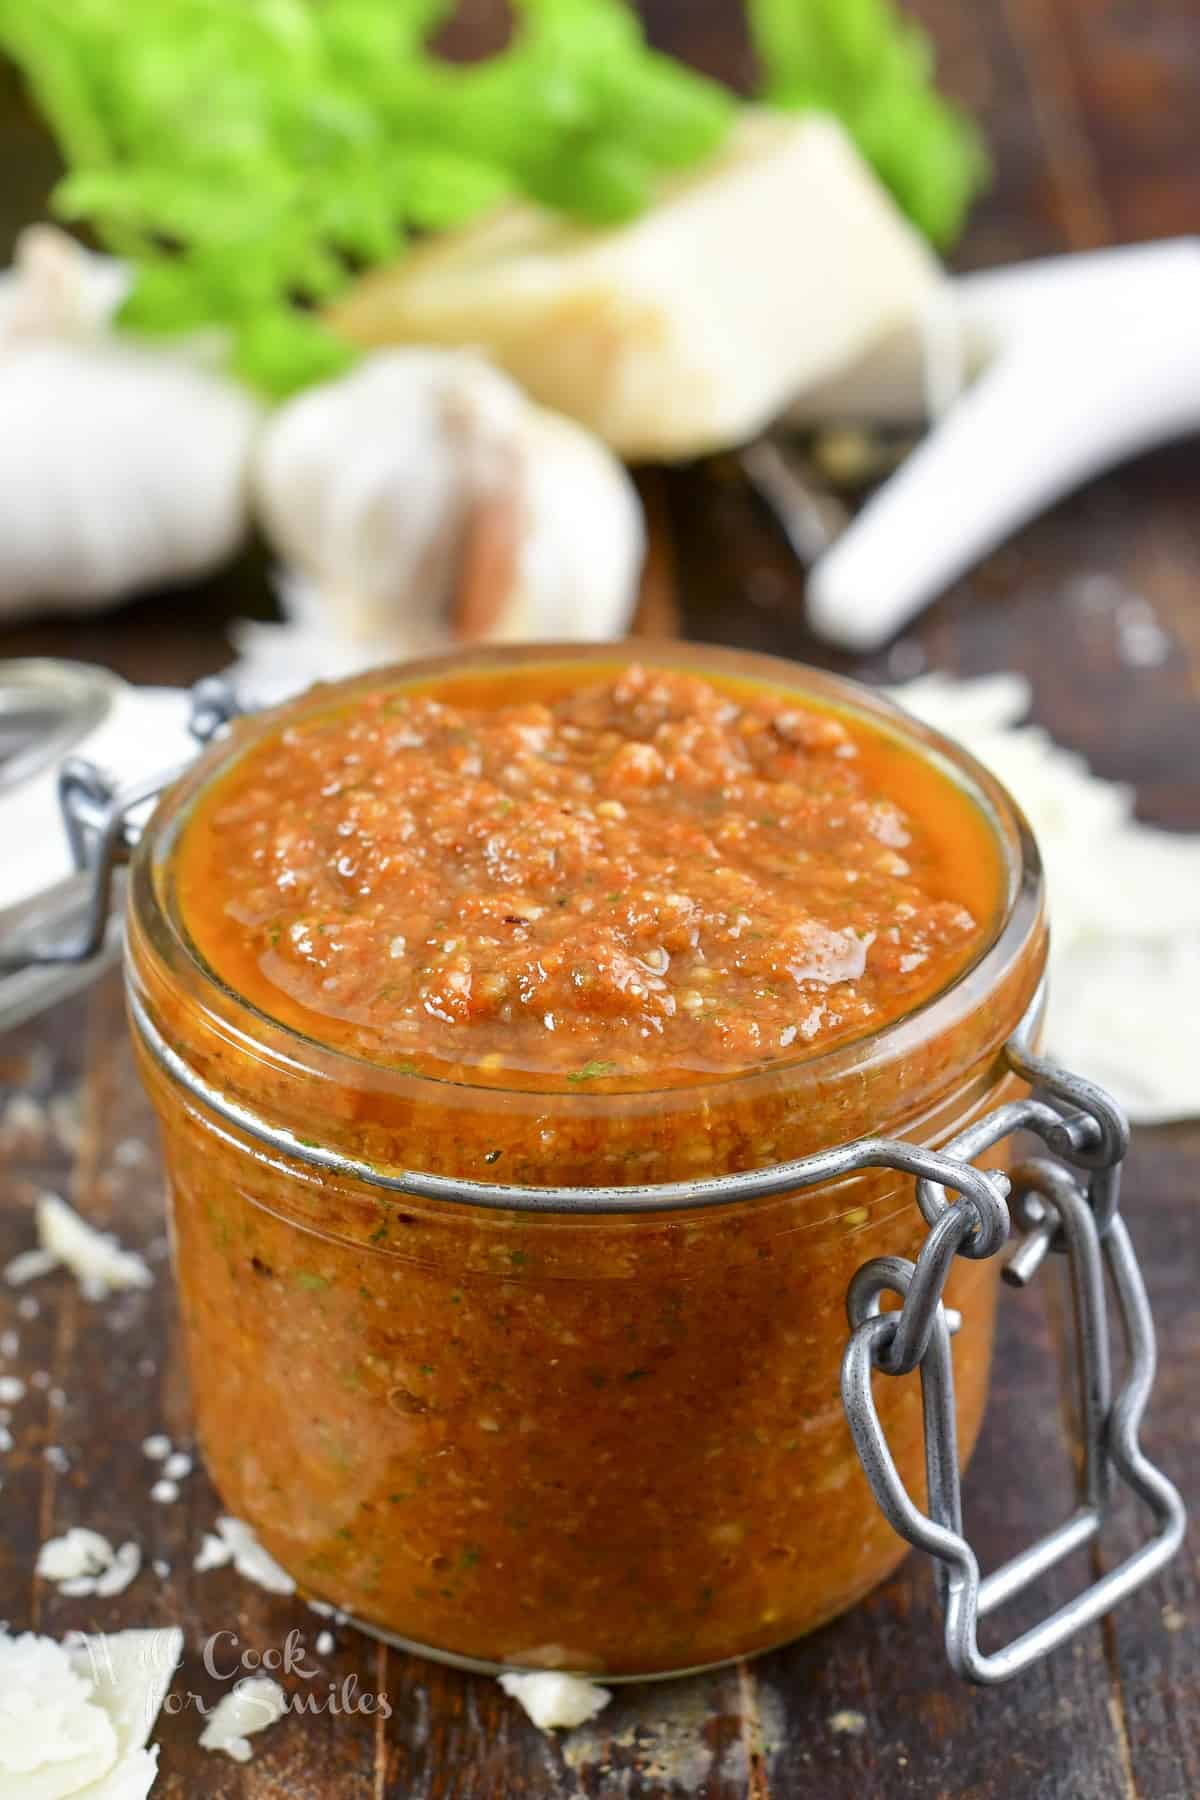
(656,924)
(636,878)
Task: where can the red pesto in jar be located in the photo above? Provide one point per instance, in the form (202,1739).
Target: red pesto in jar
(628,878)
(614,1442)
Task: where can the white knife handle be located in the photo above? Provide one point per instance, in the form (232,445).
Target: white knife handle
(1051,412)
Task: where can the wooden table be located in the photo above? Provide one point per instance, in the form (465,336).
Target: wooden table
(1093,108)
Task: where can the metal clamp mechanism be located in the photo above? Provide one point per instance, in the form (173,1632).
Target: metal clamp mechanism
(1066,1202)
(103,823)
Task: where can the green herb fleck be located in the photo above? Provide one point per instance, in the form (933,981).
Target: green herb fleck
(593,1071)
(304,1278)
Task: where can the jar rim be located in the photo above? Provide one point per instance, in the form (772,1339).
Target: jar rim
(1016,920)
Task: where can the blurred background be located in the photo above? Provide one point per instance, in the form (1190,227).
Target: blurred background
(1089,110)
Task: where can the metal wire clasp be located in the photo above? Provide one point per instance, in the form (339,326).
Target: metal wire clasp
(1066,1202)
(103,823)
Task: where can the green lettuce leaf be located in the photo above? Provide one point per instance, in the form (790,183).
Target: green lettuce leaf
(862,61)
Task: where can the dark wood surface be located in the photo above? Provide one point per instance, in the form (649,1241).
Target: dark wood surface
(1093,109)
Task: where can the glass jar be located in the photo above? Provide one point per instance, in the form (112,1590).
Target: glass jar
(559,1420)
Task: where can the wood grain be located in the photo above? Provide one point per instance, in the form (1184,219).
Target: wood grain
(1093,111)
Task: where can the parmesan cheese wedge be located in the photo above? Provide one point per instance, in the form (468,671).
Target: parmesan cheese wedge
(777,265)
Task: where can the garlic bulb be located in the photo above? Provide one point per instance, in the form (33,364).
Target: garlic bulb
(422,500)
(122,466)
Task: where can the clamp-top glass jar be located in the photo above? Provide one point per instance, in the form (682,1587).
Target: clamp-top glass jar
(547,1375)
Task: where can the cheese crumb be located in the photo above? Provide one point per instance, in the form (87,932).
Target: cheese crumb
(235,1542)
(165,1492)
(213,1553)
(324,1643)
(251,1706)
(78,1552)
(177,1466)
(84,1562)
(157,1447)
(556,1702)
(28,1266)
(125,1566)
(96,1259)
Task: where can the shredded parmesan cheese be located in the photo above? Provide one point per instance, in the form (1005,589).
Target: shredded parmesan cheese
(30,1265)
(251,1706)
(96,1260)
(235,1542)
(83,1562)
(556,1702)
(78,1552)
(1124,902)
(74,1718)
